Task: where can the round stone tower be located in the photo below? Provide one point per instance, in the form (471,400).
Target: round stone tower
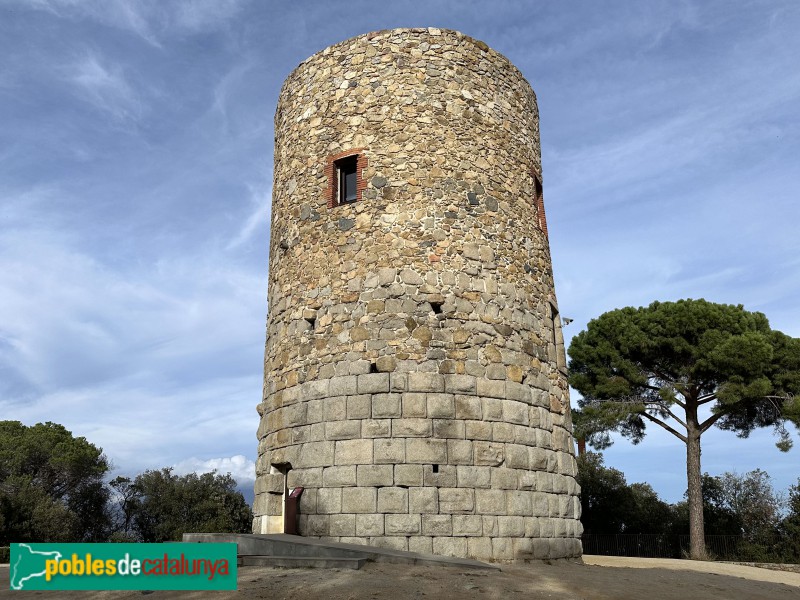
(414,377)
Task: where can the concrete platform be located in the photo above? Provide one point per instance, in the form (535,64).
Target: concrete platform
(273,546)
(295,562)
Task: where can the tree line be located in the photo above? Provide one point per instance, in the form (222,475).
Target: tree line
(743,505)
(54,488)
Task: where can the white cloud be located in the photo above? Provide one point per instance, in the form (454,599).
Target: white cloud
(151,20)
(241,468)
(105,86)
(199,15)
(259,218)
(121,14)
(143,422)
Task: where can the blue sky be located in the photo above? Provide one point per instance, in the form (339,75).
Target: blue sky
(135,184)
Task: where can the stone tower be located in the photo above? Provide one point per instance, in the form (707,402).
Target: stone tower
(414,377)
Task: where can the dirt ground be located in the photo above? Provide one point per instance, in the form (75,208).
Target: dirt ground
(599,578)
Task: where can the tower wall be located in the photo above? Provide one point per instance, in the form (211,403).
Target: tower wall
(414,366)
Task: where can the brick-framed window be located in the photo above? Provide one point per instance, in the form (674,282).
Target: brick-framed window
(344,172)
(538,200)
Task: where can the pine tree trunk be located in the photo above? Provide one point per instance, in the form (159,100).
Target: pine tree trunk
(697,542)
(581,446)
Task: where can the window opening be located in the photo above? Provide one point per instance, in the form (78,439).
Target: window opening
(539,201)
(348,180)
(344,174)
(558,338)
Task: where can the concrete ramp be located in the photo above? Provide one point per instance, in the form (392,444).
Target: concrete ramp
(281,550)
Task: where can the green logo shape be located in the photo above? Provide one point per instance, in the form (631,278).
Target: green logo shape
(171,566)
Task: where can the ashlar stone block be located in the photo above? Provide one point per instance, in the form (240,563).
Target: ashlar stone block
(425,382)
(478,430)
(448,428)
(335,408)
(411,428)
(408,475)
(426,451)
(487,453)
(467,525)
(344,386)
(479,548)
(459,384)
(467,407)
(402,524)
(308,433)
(510,526)
(392,500)
(440,406)
(456,500)
(316,454)
(375,475)
(523,548)
(450,546)
(459,452)
(491,388)
(489,525)
(505,479)
(415,404)
(353,452)
(492,409)
(376,428)
(490,502)
(329,501)
(389,451)
(359,500)
(437,525)
(373,383)
(386,406)
(343,430)
(317,525)
(342,525)
(502,549)
(367,525)
(420,544)
(423,500)
(273,482)
(473,477)
(502,432)
(516,456)
(359,407)
(307,478)
(444,476)
(339,476)
(394,542)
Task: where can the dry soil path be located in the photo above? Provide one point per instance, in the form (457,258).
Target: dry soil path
(600,578)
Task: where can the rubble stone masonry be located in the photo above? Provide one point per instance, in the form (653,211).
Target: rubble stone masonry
(414,379)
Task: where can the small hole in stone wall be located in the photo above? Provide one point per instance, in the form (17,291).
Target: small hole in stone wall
(373,368)
(436,307)
(435,468)
(312,321)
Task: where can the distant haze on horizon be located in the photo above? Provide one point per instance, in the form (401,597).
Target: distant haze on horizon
(136,180)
